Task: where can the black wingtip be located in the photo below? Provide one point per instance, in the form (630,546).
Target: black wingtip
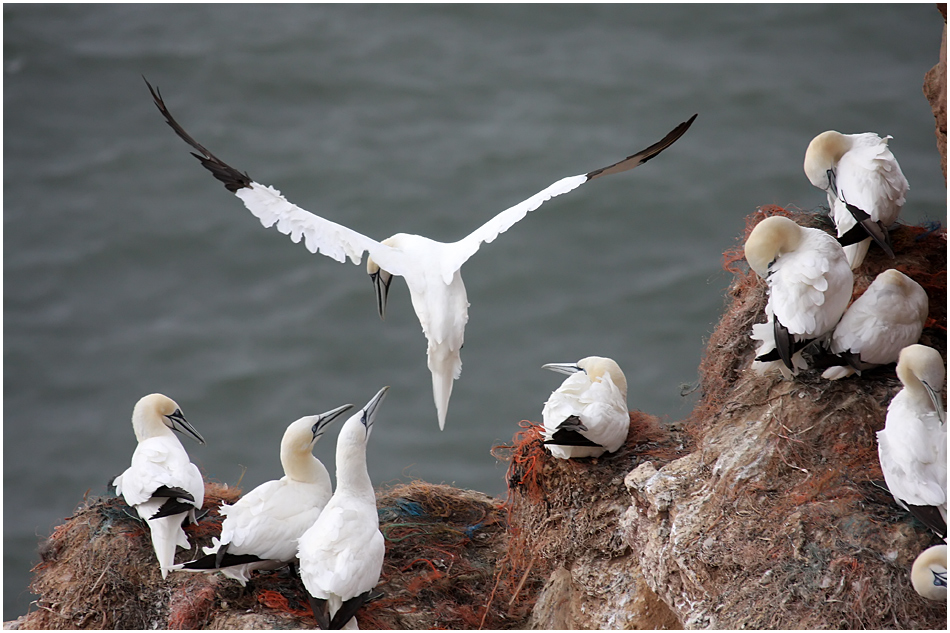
(635,160)
(783,343)
(931,517)
(232,178)
(172,507)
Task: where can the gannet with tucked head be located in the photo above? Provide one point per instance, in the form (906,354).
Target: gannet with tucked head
(809,287)
(162,484)
(341,555)
(929,573)
(888,317)
(912,446)
(260,531)
(865,188)
(431,269)
(587,414)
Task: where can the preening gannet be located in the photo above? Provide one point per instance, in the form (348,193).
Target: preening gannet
(431,269)
(260,531)
(162,484)
(809,287)
(888,317)
(929,573)
(912,446)
(865,188)
(587,414)
(341,555)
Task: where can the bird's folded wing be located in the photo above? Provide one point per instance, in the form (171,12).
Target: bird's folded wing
(467,246)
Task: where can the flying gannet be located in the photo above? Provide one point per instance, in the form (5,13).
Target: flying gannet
(260,531)
(809,287)
(431,269)
(162,484)
(888,317)
(929,573)
(587,414)
(865,188)
(341,555)
(912,446)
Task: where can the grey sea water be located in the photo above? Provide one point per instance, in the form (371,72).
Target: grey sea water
(128,269)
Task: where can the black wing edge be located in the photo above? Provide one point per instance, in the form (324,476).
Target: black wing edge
(349,608)
(172,507)
(232,178)
(321,612)
(635,160)
(875,230)
(565,437)
(173,491)
(931,517)
(783,343)
(210,561)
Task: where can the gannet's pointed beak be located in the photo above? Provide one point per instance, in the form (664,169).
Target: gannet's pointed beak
(324,419)
(180,424)
(369,411)
(563,368)
(937,401)
(381,280)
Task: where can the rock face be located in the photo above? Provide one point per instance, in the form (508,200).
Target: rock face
(769,511)
(778,517)
(935,89)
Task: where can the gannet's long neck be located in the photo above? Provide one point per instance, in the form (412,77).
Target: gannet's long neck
(300,465)
(352,476)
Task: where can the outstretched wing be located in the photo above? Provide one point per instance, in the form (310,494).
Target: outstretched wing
(270,207)
(466,247)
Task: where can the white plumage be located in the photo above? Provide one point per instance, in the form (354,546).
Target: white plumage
(431,269)
(860,170)
(260,531)
(809,287)
(929,573)
(162,480)
(587,414)
(888,317)
(912,446)
(341,555)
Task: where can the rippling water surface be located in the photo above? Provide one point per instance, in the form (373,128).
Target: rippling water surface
(129,270)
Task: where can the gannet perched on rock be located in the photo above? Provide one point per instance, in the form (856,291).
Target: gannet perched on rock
(865,188)
(341,555)
(929,573)
(431,269)
(888,317)
(809,287)
(587,414)
(162,484)
(260,531)
(912,446)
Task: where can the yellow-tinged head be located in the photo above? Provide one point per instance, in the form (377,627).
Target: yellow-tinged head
(822,156)
(155,414)
(770,238)
(929,573)
(596,366)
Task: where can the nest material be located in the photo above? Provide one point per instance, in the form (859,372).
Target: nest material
(99,570)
